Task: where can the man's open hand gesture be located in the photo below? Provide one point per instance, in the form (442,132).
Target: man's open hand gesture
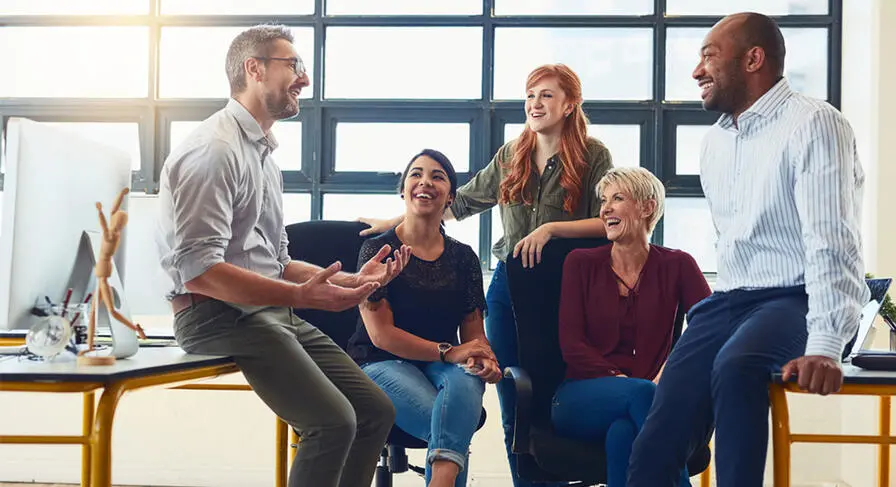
(319,293)
(375,270)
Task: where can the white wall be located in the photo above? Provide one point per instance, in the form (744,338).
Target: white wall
(870,68)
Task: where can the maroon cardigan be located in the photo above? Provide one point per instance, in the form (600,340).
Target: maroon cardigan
(603,333)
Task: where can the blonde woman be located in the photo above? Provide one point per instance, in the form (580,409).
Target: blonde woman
(617,313)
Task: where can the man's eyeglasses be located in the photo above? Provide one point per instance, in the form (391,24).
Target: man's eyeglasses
(296,64)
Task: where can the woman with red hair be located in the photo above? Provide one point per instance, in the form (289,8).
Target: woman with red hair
(543,183)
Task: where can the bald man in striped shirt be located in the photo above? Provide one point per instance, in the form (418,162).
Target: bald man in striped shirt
(783,183)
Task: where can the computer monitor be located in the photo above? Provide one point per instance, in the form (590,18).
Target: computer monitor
(53,180)
(878,288)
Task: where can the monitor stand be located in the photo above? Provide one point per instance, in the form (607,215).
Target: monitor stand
(82,280)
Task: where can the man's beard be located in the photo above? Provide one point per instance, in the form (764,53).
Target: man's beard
(280,105)
(729,96)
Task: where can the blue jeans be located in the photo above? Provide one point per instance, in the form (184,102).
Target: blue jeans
(500,328)
(718,375)
(438,403)
(608,409)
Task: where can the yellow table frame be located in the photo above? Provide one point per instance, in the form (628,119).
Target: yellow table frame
(96,437)
(782,438)
(283,445)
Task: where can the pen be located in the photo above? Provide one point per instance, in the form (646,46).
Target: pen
(78,314)
(68,295)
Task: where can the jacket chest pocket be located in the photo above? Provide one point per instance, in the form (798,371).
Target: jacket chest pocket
(552,209)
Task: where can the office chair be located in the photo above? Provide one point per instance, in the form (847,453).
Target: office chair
(543,455)
(322,243)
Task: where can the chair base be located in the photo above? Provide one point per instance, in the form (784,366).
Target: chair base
(383,477)
(393,459)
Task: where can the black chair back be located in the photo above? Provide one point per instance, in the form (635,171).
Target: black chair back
(321,243)
(535,295)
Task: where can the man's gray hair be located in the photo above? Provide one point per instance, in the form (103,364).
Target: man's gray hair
(253,42)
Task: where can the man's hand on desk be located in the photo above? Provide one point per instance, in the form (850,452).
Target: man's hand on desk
(319,293)
(815,374)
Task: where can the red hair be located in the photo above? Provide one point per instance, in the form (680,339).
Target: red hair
(573,140)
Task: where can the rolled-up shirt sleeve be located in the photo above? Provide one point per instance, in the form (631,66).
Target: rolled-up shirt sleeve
(284,248)
(481,191)
(203,188)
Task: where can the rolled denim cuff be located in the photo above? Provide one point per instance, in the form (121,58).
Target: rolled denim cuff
(450,455)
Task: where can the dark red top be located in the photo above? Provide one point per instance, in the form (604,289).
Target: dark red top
(603,333)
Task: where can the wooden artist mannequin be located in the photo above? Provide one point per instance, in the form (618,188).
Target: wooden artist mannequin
(111,238)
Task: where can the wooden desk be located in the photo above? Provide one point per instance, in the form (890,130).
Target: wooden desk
(150,367)
(856,382)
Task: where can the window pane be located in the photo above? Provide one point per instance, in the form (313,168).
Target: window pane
(348,207)
(466,231)
(767,7)
(198,72)
(687,225)
(288,155)
(688,139)
(123,136)
(805,66)
(396,143)
(237,7)
(420,62)
(623,141)
(296,208)
(74,68)
(80,7)
(573,7)
(613,63)
(404,7)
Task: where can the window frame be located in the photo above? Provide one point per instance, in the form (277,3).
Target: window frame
(658,118)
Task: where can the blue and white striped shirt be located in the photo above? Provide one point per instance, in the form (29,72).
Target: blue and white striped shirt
(784,186)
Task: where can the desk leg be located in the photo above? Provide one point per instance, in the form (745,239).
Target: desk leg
(282,448)
(780,435)
(705,480)
(883,449)
(101,439)
(86,428)
(293,445)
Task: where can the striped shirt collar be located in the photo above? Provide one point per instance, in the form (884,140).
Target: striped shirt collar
(765,106)
(250,126)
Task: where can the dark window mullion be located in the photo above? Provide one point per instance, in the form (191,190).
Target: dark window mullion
(481,141)
(659,93)
(316,129)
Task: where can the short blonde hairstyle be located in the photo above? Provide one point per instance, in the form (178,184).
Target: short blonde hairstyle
(641,184)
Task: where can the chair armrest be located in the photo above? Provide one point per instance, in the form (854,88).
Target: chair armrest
(523,418)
